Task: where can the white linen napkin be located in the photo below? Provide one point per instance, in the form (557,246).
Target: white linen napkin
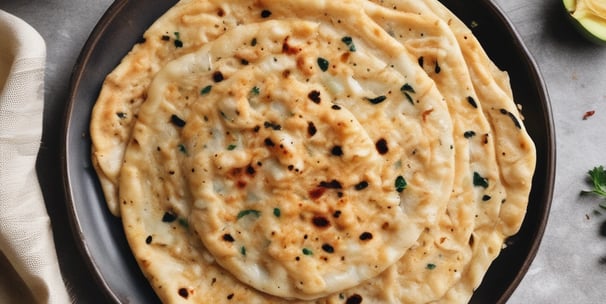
(29,270)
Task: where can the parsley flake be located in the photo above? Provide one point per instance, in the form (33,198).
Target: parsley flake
(400,183)
(255,91)
(376,100)
(349,42)
(480,181)
(597,178)
(182,149)
(178,42)
(206,90)
(323,64)
(246,212)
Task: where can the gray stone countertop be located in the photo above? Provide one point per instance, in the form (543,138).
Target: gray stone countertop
(570,266)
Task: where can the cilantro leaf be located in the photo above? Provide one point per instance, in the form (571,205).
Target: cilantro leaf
(400,183)
(246,212)
(597,177)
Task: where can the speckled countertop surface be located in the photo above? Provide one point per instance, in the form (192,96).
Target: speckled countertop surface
(570,266)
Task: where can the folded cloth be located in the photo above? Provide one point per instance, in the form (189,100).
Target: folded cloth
(29,269)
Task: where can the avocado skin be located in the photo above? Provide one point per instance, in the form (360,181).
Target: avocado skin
(586,33)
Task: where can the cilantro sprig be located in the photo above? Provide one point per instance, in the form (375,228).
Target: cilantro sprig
(597,177)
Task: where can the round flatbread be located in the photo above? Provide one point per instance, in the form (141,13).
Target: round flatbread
(352,195)
(327,152)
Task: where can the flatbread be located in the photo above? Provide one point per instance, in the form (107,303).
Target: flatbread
(266,138)
(198,231)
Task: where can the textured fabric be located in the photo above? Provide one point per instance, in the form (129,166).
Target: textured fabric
(29,270)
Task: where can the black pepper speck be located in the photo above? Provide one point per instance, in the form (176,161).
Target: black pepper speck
(365,236)
(361,185)
(311,129)
(381,146)
(354,299)
(177,121)
(183,293)
(265,13)
(218,76)
(328,248)
(169,217)
(314,96)
(228,238)
(336,151)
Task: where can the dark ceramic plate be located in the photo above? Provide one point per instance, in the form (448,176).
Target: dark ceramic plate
(100,235)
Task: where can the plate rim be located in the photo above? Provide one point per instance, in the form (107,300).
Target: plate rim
(551,148)
(75,79)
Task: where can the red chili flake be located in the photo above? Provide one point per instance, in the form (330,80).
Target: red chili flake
(588,114)
(288,49)
(317,193)
(425,114)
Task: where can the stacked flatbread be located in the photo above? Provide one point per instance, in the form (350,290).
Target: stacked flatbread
(312,151)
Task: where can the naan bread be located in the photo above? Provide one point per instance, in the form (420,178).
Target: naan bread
(215,212)
(252,154)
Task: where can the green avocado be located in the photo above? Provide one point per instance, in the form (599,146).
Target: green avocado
(589,17)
